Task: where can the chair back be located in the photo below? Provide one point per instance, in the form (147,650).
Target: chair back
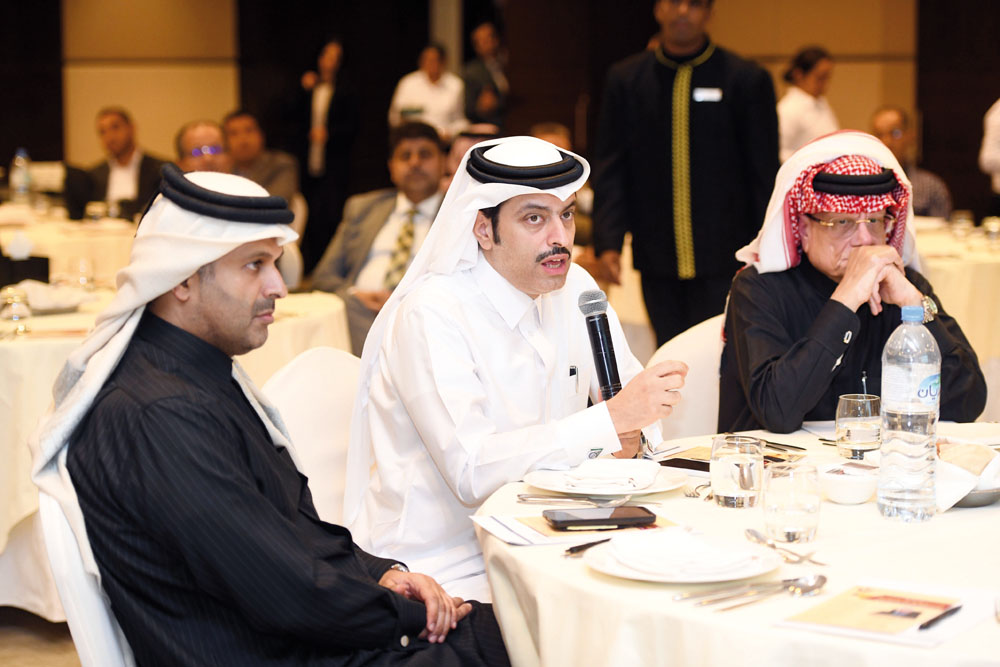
(314,393)
(700,347)
(96,634)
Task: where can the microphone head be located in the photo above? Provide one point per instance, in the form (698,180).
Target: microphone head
(593,302)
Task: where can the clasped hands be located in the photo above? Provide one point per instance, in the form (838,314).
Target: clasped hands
(443,611)
(874,274)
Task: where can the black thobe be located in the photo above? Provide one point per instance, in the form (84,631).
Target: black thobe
(206,537)
(791,351)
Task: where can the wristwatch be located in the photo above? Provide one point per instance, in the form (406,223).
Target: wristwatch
(930,308)
(399,567)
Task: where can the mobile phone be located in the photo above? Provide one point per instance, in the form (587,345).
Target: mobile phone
(592,517)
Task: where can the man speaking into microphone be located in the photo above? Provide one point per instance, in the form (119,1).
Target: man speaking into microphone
(479,367)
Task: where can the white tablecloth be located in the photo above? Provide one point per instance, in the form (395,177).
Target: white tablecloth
(105,244)
(965,274)
(556,611)
(28,368)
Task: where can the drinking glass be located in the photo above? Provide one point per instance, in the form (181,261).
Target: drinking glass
(15,308)
(859,424)
(736,467)
(791,498)
(81,272)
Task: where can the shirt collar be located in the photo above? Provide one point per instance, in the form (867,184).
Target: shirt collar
(428,208)
(510,302)
(192,351)
(132,163)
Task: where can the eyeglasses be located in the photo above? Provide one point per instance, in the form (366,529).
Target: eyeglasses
(842,228)
(214,149)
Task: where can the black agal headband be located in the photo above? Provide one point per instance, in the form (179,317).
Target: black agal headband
(233,208)
(849,184)
(543,177)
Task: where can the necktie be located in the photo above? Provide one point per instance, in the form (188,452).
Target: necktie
(400,257)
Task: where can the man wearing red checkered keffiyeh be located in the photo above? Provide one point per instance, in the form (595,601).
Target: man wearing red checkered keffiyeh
(822,291)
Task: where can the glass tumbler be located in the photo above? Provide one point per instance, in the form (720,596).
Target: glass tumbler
(736,468)
(859,424)
(791,499)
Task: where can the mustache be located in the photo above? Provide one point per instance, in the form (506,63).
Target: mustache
(262,306)
(554,250)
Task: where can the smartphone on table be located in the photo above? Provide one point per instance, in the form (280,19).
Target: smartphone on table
(592,518)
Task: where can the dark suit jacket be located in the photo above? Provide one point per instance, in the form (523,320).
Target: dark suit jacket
(149,183)
(477,78)
(364,216)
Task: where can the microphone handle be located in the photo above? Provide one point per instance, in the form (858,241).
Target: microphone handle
(604,355)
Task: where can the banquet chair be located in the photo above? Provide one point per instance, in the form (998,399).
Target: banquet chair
(98,638)
(314,393)
(700,347)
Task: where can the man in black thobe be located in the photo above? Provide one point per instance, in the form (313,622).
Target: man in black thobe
(827,277)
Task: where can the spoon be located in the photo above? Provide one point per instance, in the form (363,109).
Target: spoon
(753,591)
(788,555)
(807,585)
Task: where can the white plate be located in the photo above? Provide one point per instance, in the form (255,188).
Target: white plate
(667,479)
(601,558)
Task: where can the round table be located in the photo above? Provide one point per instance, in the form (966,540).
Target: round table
(965,273)
(556,611)
(28,369)
(104,245)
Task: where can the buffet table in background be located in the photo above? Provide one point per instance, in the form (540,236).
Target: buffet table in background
(28,368)
(555,610)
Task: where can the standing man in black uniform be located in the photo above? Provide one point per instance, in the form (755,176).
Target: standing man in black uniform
(687,150)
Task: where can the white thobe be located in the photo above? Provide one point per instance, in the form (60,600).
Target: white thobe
(802,118)
(477,385)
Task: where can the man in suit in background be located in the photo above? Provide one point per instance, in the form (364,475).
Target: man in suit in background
(276,170)
(200,147)
(128,178)
(486,86)
(382,230)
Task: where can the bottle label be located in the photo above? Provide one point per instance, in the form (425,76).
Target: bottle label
(929,391)
(919,384)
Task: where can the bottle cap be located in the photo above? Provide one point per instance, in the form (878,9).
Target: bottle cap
(913,314)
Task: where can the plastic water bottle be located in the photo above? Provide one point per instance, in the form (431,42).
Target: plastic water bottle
(911,388)
(20,178)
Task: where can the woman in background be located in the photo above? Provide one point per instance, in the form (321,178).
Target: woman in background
(803,113)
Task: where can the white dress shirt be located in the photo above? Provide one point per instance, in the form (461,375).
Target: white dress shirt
(372,274)
(478,385)
(989,153)
(123,179)
(802,118)
(319,110)
(440,104)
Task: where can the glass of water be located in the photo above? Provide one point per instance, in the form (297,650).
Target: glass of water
(736,468)
(859,424)
(791,498)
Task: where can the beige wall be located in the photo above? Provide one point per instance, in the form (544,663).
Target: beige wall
(166,61)
(873,45)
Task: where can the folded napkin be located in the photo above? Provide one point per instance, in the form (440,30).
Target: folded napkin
(964,467)
(611,475)
(677,551)
(42,296)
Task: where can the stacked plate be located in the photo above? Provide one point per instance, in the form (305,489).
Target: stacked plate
(609,477)
(677,555)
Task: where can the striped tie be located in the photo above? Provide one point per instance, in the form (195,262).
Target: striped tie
(681,167)
(400,257)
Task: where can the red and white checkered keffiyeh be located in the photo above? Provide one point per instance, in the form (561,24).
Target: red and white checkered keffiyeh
(778,246)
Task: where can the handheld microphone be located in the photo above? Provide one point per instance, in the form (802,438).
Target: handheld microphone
(594,304)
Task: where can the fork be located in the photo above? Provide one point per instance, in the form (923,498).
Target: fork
(696,491)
